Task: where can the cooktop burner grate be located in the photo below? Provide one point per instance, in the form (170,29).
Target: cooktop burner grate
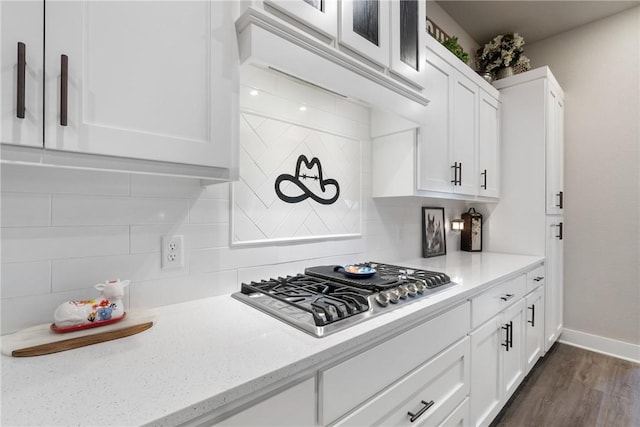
(326,301)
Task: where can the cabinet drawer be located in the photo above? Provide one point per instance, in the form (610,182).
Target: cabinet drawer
(294,406)
(496,299)
(459,417)
(349,384)
(535,278)
(443,381)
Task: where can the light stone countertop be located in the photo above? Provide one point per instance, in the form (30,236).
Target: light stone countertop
(203,354)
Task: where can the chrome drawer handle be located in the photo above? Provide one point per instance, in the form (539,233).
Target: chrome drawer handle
(422,410)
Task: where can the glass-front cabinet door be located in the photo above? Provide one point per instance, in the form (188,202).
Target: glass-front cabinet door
(408,46)
(321,15)
(364,28)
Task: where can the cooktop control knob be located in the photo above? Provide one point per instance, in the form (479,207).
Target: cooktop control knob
(382,299)
(420,286)
(402,291)
(412,289)
(393,296)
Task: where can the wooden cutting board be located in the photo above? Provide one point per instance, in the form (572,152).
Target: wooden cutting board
(39,340)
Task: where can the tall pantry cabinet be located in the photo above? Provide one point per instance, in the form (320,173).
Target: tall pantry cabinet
(529,217)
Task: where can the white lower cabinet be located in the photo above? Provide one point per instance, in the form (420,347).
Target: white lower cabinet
(459,417)
(534,327)
(502,346)
(512,348)
(295,406)
(486,372)
(426,397)
(358,382)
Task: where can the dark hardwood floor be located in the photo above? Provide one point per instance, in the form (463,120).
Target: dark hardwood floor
(575,387)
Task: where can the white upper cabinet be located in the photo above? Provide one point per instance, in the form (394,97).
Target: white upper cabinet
(145,81)
(364,28)
(457,148)
(408,45)
(21,34)
(488,145)
(555,149)
(435,173)
(320,15)
(463,144)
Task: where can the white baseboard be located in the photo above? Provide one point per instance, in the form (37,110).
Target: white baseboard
(619,349)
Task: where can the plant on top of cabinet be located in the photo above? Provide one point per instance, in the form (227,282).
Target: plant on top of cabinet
(503,56)
(452,44)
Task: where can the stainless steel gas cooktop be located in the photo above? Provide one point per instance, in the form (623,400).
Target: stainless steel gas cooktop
(326,299)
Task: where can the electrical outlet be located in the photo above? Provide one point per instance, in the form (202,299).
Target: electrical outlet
(172,251)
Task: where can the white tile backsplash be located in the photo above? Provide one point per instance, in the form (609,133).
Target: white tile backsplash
(94,210)
(65,230)
(26,209)
(23,279)
(40,179)
(21,244)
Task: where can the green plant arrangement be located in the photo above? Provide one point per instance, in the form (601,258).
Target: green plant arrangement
(452,44)
(503,51)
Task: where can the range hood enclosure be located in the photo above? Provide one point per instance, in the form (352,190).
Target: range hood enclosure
(267,41)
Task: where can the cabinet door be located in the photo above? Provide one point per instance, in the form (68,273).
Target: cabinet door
(555,152)
(434,171)
(408,31)
(148,80)
(464,134)
(364,28)
(554,280)
(488,146)
(321,15)
(534,327)
(514,353)
(21,35)
(486,372)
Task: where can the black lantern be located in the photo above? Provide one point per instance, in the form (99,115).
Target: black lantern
(471,235)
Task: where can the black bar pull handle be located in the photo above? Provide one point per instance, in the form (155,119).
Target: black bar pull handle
(560,234)
(533,315)
(22,69)
(511,333)
(455,173)
(507,297)
(422,410)
(460,176)
(484,174)
(538,278)
(64,92)
(560,199)
(505,344)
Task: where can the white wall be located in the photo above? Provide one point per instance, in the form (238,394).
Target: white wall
(598,66)
(65,230)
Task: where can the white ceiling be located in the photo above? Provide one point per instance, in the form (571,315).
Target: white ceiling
(534,20)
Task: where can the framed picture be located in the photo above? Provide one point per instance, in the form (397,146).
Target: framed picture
(433,237)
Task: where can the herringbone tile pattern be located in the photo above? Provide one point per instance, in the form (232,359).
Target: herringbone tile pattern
(271,147)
